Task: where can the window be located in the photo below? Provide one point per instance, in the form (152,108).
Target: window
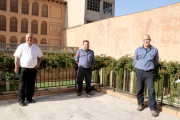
(34,27)
(34,41)
(2,39)
(14,6)
(23,40)
(35,8)
(2,23)
(24,25)
(44,28)
(107,8)
(44,10)
(25,7)
(13,39)
(2,4)
(43,41)
(93,5)
(13,24)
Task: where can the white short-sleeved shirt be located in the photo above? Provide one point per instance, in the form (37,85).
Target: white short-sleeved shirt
(28,56)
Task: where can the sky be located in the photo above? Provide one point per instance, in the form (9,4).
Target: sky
(123,7)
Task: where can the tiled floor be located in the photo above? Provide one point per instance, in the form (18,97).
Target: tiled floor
(68,106)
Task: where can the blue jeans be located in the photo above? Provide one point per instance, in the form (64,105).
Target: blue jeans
(149,77)
(82,72)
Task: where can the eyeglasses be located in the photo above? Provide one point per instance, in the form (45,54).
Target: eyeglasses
(30,38)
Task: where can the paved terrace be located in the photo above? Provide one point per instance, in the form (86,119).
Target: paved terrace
(68,106)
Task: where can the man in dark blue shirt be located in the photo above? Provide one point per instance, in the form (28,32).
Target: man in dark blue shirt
(85,60)
(145,60)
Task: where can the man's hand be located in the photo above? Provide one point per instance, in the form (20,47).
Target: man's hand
(37,66)
(16,70)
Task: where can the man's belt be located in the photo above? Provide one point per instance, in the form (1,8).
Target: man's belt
(147,70)
(85,68)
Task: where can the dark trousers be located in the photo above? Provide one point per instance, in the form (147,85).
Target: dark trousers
(82,72)
(149,77)
(26,83)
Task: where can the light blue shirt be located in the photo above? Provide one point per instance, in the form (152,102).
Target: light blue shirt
(146,59)
(86,58)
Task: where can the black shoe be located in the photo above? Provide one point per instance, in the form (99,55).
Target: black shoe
(90,93)
(78,94)
(21,103)
(31,101)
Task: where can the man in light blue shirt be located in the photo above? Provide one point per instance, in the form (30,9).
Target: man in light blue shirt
(85,60)
(145,60)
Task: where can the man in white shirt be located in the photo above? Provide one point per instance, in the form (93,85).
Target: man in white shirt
(28,54)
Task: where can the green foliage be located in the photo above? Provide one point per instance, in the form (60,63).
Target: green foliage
(170,70)
(54,60)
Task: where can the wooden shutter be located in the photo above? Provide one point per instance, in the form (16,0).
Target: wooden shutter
(25,7)
(2,39)
(2,4)
(44,10)
(23,40)
(35,9)
(13,24)
(44,28)
(13,39)
(24,25)
(2,23)
(14,5)
(34,27)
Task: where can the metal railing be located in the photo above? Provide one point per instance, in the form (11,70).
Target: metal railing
(46,78)
(44,48)
(167,91)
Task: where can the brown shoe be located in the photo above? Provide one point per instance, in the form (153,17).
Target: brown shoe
(154,113)
(140,108)
(90,93)
(78,94)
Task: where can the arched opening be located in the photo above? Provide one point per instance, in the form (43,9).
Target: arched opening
(24,25)
(44,10)
(2,23)
(25,7)
(35,8)
(34,27)
(13,24)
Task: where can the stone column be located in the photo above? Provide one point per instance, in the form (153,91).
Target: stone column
(8,5)
(131,81)
(19,6)
(101,9)
(101,76)
(111,78)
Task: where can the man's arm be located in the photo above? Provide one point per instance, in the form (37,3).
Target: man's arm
(135,57)
(77,61)
(156,59)
(16,70)
(93,61)
(92,66)
(39,61)
(77,57)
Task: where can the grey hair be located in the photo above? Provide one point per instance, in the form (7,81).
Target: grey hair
(30,34)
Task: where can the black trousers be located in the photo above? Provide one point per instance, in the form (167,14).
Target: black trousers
(26,83)
(149,77)
(82,72)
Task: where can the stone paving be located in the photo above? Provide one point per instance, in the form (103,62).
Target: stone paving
(68,106)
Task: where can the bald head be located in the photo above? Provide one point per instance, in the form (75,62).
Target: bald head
(147,35)
(146,40)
